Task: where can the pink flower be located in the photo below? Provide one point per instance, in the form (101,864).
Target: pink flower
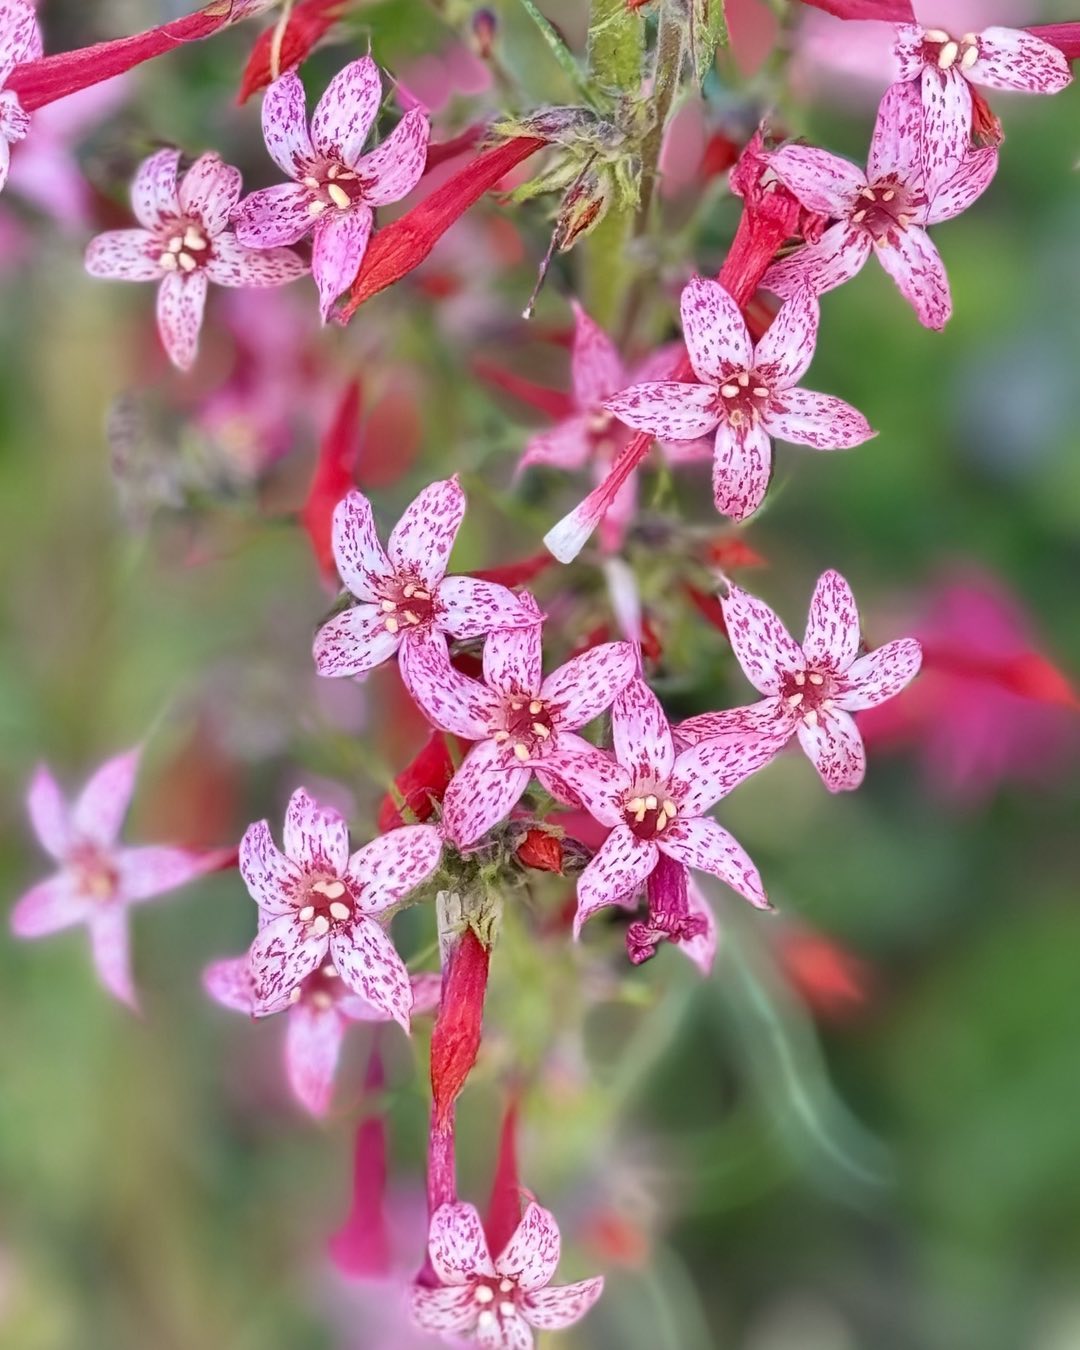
(909,183)
(811,691)
(317,898)
(496,1302)
(185,244)
(319,1011)
(946,67)
(520,721)
(97,878)
(405,596)
(336,187)
(655,801)
(591,434)
(20,40)
(746,394)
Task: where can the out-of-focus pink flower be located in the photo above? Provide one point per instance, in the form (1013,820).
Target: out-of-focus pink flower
(519,719)
(989,708)
(745,394)
(20,40)
(98,878)
(336,187)
(406,598)
(811,690)
(655,801)
(184,244)
(909,183)
(316,1020)
(432,81)
(497,1303)
(317,898)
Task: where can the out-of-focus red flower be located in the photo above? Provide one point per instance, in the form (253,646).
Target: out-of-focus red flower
(540,850)
(455,1042)
(1064,36)
(707,605)
(617,1239)
(733,552)
(504,1207)
(284,46)
(361,1246)
(421,784)
(556,403)
(888,11)
(335,474)
(516,573)
(832,982)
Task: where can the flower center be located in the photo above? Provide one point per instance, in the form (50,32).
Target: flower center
(95,875)
(326,902)
(648,814)
(945,52)
(335,187)
(409,605)
(529,727)
(495,1299)
(809,693)
(743,397)
(320,990)
(885,207)
(185,246)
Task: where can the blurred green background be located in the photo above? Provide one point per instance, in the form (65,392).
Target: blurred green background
(751,1176)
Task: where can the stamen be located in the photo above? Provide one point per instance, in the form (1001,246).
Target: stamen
(331,889)
(521,750)
(310,182)
(339,911)
(903,221)
(322,1000)
(168,261)
(729,390)
(636,804)
(516,704)
(744,379)
(332,171)
(176,243)
(651,802)
(411,616)
(316,208)
(421,595)
(859,215)
(936,35)
(507,1309)
(338,196)
(501,736)
(330,972)
(536,706)
(391,625)
(505,1286)
(968,59)
(795,700)
(661,821)
(320,925)
(760,391)
(540,730)
(868,192)
(408,591)
(888,194)
(486,1318)
(187,262)
(307,913)
(295,995)
(388,606)
(800,677)
(947,55)
(815,678)
(670,809)
(484,1294)
(194,239)
(811,718)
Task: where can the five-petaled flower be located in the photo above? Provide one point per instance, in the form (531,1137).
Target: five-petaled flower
(521,722)
(654,801)
(811,690)
(98,878)
(185,243)
(317,898)
(497,1302)
(336,187)
(316,1022)
(882,211)
(20,40)
(746,394)
(406,598)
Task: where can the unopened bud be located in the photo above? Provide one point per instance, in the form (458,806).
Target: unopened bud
(540,850)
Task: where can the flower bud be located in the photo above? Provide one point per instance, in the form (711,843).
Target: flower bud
(455,1042)
(540,850)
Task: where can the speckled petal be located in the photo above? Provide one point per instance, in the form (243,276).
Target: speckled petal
(209,192)
(964,185)
(48,907)
(823,182)
(836,750)
(946,101)
(123,255)
(316,837)
(713,767)
(234,265)
(616,874)
(762,645)
(896,146)
(880,675)
(284,124)
(836,257)
(143,873)
(531,1257)
(180,304)
(313,1039)
(595,364)
(110,947)
(354,642)
(444,1311)
(591,775)
(805,418)
(909,51)
(394,169)
(742,467)
(916,267)
(20,37)
(589,683)
(732,725)
(345,113)
(272,879)
(640,733)
(360,557)
(562,1305)
(48,812)
(422,540)
(714,330)
(783,355)
(1010,58)
(100,809)
(274,217)
(509,1332)
(670,410)
(701,950)
(394,864)
(153,191)
(567,445)
(832,627)
(469,608)
(452,701)
(457,1245)
(704,845)
(282,956)
(341,241)
(483,792)
(512,658)
(228,982)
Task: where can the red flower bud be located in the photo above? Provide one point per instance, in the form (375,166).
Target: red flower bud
(540,850)
(455,1042)
(282,47)
(421,784)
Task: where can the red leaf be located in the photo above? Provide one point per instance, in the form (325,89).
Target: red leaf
(271,56)
(333,476)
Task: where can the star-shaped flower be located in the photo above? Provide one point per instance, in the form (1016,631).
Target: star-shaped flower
(746,394)
(654,801)
(945,67)
(185,243)
(336,187)
(592,434)
(317,898)
(521,722)
(405,596)
(497,1302)
(20,40)
(98,878)
(811,690)
(882,211)
(319,1011)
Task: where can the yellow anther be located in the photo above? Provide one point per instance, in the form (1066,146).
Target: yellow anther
(338,196)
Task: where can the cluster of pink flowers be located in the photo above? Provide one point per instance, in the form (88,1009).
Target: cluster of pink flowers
(470,649)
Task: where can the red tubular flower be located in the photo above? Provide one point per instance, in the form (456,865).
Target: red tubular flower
(504,1207)
(361,1246)
(281,48)
(52,77)
(421,784)
(888,11)
(708,606)
(405,243)
(455,1042)
(333,477)
(1064,36)
(556,403)
(516,573)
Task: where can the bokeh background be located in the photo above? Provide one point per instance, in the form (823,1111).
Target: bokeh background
(861,1132)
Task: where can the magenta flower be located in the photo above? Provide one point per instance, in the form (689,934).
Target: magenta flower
(20,40)
(811,691)
(746,394)
(884,211)
(319,1011)
(317,898)
(496,1303)
(591,434)
(654,801)
(335,187)
(184,243)
(98,878)
(521,722)
(946,67)
(405,596)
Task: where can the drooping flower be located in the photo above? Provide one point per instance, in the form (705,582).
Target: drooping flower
(20,40)
(810,690)
(746,394)
(521,722)
(496,1303)
(655,801)
(319,1012)
(98,878)
(184,244)
(884,210)
(318,899)
(336,187)
(405,596)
